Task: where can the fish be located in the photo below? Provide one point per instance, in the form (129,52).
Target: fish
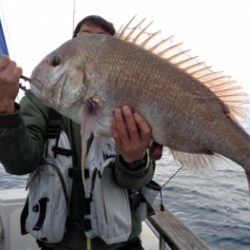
(193,110)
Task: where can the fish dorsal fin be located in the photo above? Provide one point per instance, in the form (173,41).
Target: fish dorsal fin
(227,90)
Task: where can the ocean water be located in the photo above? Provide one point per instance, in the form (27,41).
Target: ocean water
(214,204)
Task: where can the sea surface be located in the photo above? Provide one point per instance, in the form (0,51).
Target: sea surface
(214,204)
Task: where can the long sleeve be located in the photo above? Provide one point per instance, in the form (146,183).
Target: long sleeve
(134,179)
(22,137)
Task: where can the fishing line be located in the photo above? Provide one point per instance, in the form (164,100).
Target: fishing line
(162,208)
(176,172)
(25,78)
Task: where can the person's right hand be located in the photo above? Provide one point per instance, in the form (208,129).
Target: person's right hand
(9,79)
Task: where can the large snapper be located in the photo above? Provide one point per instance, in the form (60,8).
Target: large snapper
(191,109)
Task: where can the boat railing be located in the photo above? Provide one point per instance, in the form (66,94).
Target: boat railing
(172,233)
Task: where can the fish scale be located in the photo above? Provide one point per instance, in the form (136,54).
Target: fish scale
(184,112)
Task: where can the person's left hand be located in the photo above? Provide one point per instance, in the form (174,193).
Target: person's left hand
(131,133)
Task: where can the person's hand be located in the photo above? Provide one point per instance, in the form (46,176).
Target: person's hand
(131,133)
(9,78)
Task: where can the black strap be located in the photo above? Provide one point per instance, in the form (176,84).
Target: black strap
(54,128)
(79,205)
(23,217)
(76,173)
(153,185)
(55,124)
(62,151)
(134,199)
(42,246)
(150,210)
(42,213)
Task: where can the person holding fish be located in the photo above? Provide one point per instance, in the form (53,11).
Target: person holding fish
(23,134)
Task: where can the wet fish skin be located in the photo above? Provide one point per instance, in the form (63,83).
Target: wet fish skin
(97,73)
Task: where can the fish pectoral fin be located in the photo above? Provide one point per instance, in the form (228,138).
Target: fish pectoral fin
(199,161)
(92,105)
(103,148)
(86,131)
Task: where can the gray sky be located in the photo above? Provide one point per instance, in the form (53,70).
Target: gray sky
(216,30)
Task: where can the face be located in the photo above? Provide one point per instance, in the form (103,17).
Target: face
(91,28)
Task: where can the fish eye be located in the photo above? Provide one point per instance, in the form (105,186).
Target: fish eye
(56,60)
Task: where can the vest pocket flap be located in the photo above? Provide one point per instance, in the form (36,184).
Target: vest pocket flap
(47,207)
(111,205)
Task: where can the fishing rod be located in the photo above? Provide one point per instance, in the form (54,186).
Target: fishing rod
(26,79)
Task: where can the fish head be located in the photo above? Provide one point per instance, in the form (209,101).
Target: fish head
(59,79)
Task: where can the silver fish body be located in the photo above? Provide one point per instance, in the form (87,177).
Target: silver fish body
(89,76)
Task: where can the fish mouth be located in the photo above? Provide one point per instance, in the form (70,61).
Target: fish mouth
(36,82)
(38,89)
